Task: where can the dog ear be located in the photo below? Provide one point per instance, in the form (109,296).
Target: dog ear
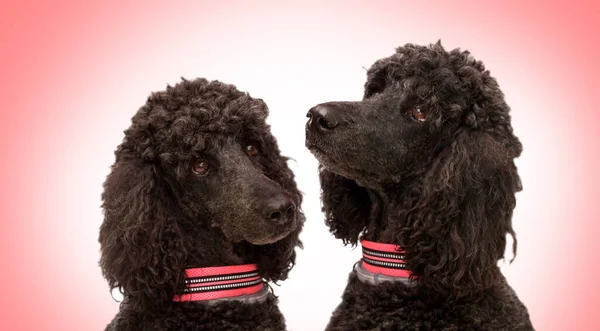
(458,227)
(141,244)
(345,204)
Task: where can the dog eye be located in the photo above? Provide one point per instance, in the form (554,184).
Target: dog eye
(201,167)
(417,114)
(251,150)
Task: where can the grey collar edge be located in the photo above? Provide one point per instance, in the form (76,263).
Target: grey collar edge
(258,297)
(371,278)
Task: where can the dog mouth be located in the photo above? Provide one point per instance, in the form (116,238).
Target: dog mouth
(258,230)
(331,164)
(284,233)
(274,233)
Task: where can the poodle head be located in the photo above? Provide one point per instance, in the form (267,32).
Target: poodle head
(198,172)
(432,134)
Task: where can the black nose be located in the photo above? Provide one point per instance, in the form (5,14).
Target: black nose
(280,210)
(320,118)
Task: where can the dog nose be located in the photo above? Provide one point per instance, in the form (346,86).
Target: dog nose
(321,119)
(280,210)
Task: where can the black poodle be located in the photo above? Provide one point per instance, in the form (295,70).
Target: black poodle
(200,211)
(421,171)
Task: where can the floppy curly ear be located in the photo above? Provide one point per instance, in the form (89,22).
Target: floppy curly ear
(277,259)
(456,232)
(141,244)
(345,204)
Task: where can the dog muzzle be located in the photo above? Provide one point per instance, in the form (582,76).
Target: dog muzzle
(215,284)
(382,263)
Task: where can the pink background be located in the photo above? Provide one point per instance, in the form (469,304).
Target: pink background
(73,74)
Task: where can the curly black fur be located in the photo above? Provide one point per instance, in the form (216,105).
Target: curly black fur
(161,217)
(425,161)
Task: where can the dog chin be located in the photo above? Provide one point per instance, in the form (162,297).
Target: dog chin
(324,159)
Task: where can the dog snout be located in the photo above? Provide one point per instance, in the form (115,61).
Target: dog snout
(321,118)
(279,209)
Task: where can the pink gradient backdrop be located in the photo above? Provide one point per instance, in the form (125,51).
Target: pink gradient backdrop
(73,73)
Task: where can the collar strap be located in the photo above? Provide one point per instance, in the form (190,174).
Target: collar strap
(385,259)
(212,283)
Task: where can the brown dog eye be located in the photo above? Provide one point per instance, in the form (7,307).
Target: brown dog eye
(251,150)
(418,114)
(201,167)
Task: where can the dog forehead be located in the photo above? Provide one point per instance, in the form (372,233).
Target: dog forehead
(216,130)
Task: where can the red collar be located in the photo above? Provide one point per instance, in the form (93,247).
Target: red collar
(384,259)
(203,284)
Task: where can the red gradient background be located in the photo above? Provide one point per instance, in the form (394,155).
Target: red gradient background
(73,73)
